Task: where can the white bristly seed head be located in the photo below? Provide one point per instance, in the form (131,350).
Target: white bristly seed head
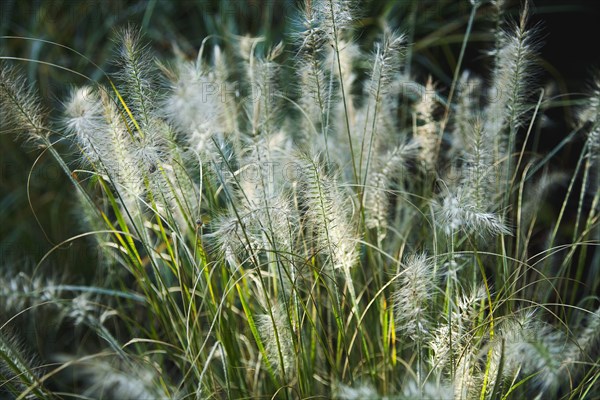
(20,109)
(412,298)
(277,337)
(327,215)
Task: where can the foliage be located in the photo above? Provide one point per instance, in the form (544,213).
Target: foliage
(311,221)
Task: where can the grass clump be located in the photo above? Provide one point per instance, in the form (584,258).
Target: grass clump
(358,234)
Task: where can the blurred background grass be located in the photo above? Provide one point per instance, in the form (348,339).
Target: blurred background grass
(569,30)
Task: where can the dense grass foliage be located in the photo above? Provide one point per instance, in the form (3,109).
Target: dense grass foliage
(310,221)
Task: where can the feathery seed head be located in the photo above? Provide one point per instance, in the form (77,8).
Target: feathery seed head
(151,150)
(82,309)
(18,370)
(362,392)
(386,60)
(426,134)
(452,339)
(467,380)
(137,75)
(471,206)
(478,172)
(325,20)
(196,106)
(591,112)
(85,120)
(20,108)
(278,339)
(458,212)
(591,115)
(513,74)
(83,109)
(19,291)
(314,95)
(235,238)
(427,391)
(584,350)
(340,13)
(94,120)
(334,232)
(467,108)
(412,296)
(130,381)
(527,346)
(379,186)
